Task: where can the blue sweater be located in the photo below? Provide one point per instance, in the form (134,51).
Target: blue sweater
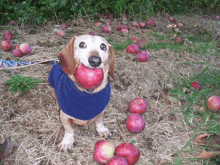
(72,101)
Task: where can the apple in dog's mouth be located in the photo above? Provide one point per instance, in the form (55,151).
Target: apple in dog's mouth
(89,78)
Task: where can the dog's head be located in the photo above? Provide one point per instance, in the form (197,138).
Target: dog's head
(92,51)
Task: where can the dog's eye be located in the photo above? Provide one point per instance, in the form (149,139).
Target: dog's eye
(103,47)
(82,45)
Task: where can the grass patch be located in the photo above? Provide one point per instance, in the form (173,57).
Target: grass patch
(19,83)
(203,121)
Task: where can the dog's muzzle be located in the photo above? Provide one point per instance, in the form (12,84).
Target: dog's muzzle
(95,61)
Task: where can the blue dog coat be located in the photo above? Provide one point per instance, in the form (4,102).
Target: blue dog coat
(72,101)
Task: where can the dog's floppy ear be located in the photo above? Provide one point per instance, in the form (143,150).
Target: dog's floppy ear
(66,56)
(111,62)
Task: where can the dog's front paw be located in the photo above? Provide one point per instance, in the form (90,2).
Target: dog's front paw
(102,131)
(67,142)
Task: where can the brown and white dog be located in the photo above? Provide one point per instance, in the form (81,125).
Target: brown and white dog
(93,52)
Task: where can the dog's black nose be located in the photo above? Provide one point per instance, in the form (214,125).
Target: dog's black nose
(95,61)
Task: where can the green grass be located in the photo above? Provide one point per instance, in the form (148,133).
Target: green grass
(207,121)
(19,83)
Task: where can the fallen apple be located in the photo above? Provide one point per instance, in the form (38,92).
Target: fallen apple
(135,123)
(119,27)
(143,24)
(96,23)
(13,23)
(134,39)
(151,22)
(61,33)
(213,103)
(217,17)
(25,49)
(117,160)
(6,45)
(171,18)
(179,41)
(143,41)
(133,48)
(195,85)
(7,32)
(138,105)
(89,78)
(17,52)
(104,151)
(108,23)
(124,30)
(63,26)
(8,36)
(179,25)
(129,151)
(143,56)
(106,29)
(135,24)
(111,16)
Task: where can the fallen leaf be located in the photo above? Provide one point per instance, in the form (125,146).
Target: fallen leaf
(206,154)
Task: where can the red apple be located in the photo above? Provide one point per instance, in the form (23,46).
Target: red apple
(138,105)
(96,23)
(6,45)
(106,29)
(89,78)
(124,30)
(25,49)
(63,26)
(8,36)
(119,27)
(213,103)
(129,151)
(143,24)
(195,85)
(135,123)
(142,56)
(171,18)
(108,23)
(134,39)
(61,33)
(179,25)
(7,32)
(111,16)
(151,22)
(104,151)
(17,52)
(217,17)
(143,41)
(178,40)
(135,24)
(133,48)
(13,23)
(117,160)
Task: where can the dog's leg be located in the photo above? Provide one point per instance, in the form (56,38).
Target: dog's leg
(68,138)
(101,129)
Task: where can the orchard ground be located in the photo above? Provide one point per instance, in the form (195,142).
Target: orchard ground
(32,120)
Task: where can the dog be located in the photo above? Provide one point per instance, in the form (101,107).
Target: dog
(93,52)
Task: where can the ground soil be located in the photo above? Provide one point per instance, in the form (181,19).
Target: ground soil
(32,120)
